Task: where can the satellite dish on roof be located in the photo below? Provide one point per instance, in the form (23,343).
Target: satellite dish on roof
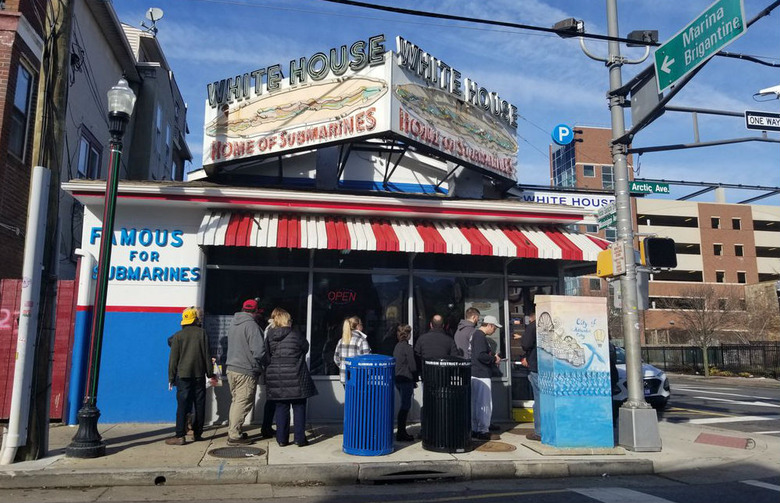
(154,14)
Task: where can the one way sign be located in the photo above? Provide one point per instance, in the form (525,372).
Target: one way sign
(762,121)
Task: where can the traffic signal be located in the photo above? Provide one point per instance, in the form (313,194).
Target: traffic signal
(658,253)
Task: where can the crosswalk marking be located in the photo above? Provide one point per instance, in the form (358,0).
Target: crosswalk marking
(758,483)
(726,394)
(738,402)
(732,419)
(619,495)
(774,432)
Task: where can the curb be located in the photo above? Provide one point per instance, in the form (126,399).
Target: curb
(335,474)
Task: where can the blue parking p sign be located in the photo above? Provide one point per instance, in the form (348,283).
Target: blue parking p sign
(562,134)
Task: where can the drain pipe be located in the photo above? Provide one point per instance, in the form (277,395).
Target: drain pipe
(27,335)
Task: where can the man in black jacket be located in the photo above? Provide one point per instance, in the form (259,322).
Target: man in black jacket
(483,361)
(435,343)
(188,365)
(466,328)
(529,345)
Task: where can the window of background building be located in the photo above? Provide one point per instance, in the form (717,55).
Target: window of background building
(766,225)
(768,251)
(687,249)
(715,222)
(88,164)
(607,180)
(20,114)
(741,277)
(668,221)
(723,304)
(720,276)
(564,172)
(158,130)
(739,250)
(595,284)
(611,234)
(736,224)
(591,228)
(717,249)
(589,171)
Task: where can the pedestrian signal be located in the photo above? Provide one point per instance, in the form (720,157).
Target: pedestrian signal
(658,253)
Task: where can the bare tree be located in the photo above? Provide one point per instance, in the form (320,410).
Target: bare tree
(763,312)
(703,312)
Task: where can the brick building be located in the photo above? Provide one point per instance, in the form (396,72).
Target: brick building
(726,246)
(21,46)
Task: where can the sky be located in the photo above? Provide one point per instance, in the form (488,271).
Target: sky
(548,78)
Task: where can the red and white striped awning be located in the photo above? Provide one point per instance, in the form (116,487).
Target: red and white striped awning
(273,230)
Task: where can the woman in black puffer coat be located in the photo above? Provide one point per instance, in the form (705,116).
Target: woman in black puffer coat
(288,380)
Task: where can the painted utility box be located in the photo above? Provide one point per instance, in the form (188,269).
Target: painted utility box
(574,383)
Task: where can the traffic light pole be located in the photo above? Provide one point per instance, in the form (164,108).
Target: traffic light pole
(638,422)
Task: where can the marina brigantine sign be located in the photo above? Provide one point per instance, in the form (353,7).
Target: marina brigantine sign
(358,91)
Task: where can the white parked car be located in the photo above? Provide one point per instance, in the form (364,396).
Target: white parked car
(656,384)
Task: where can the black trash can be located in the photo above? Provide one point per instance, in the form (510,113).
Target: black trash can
(521,386)
(446,414)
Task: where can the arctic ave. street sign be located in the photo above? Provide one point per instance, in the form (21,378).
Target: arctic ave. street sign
(719,25)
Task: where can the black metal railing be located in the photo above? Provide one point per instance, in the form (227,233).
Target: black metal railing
(757,359)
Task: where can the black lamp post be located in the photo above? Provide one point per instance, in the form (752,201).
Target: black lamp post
(87,443)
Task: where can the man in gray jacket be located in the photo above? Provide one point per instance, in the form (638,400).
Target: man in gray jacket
(466,328)
(245,355)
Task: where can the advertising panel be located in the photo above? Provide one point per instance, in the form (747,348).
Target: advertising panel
(355,91)
(328,97)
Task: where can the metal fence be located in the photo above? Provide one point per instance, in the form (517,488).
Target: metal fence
(756,359)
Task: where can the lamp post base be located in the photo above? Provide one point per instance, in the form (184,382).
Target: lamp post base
(87,442)
(638,429)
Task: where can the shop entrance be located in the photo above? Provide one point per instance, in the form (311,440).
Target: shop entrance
(521,304)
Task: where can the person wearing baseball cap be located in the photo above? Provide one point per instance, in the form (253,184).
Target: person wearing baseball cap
(483,361)
(245,359)
(188,365)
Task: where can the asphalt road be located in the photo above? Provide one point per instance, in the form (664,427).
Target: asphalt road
(646,489)
(750,406)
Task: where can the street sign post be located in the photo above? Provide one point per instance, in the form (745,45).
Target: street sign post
(719,25)
(648,188)
(762,121)
(607,216)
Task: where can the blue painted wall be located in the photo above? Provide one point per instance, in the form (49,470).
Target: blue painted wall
(133,383)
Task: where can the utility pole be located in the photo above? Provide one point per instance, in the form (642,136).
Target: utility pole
(48,141)
(638,423)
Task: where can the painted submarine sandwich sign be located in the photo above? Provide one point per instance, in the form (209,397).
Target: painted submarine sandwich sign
(357,91)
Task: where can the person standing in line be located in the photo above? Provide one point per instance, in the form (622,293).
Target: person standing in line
(466,327)
(245,358)
(288,379)
(188,365)
(483,360)
(529,346)
(405,379)
(353,343)
(435,343)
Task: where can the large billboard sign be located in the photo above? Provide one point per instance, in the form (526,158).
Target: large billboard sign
(360,90)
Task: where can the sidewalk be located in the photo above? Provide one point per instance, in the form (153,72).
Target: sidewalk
(137,455)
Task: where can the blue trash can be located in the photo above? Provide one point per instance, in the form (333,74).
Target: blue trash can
(368,406)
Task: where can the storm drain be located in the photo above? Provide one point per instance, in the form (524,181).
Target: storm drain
(493,446)
(406,476)
(236,452)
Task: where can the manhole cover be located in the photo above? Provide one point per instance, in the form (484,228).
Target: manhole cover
(236,452)
(493,446)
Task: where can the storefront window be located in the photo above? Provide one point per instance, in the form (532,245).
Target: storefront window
(226,290)
(379,300)
(450,296)
(354,259)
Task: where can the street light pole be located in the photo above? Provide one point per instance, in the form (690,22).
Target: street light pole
(87,442)
(638,422)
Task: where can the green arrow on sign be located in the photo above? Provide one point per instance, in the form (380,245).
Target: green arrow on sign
(719,25)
